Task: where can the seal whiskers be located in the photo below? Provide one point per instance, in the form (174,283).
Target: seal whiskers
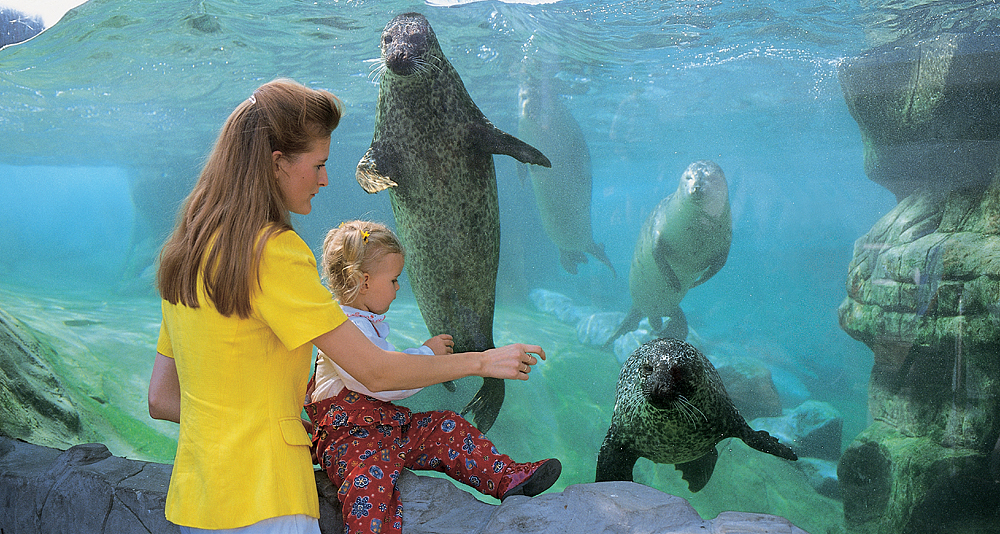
(689,410)
(663,387)
(377,70)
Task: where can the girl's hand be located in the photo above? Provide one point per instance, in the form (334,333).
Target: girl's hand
(512,361)
(441,344)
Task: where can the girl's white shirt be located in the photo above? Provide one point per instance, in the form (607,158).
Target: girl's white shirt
(331,378)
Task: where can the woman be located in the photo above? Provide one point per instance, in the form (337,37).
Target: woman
(243,306)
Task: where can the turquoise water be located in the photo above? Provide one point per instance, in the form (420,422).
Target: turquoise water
(106,116)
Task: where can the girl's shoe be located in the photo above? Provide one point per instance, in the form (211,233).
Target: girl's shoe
(531,479)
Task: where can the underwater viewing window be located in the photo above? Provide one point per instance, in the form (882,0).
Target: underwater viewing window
(803,191)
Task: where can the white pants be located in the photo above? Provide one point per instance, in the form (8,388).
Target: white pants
(286,524)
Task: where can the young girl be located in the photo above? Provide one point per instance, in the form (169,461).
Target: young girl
(243,306)
(363,441)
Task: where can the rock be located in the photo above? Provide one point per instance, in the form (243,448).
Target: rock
(609,507)
(927,111)
(822,475)
(748,382)
(922,293)
(596,328)
(812,429)
(33,405)
(791,389)
(559,305)
(883,469)
(83,489)
(86,490)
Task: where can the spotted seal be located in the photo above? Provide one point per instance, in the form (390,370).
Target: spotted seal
(562,192)
(683,243)
(672,408)
(433,149)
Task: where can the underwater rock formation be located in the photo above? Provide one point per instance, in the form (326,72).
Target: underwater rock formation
(923,291)
(748,382)
(87,490)
(928,111)
(814,428)
(33,406)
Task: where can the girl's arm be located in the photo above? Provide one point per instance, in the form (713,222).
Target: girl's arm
(165,390)
(381,370)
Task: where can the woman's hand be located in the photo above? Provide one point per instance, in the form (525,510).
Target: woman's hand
(512,361)
(441,344)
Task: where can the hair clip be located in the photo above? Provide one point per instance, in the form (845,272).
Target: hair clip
(364,236)
(252,99)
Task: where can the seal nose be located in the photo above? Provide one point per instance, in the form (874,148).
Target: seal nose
(659,390)
(396,60)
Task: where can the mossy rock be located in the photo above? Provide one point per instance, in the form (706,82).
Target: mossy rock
(33,405)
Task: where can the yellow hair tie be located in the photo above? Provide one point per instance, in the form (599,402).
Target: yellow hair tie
(364,236)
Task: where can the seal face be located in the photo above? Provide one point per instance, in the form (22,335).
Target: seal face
(683,243)
(672,408)
(433,149)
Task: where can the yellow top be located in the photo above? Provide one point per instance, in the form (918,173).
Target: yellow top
(242,453)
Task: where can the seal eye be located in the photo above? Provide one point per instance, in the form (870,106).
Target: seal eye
(646,369)
(387,39)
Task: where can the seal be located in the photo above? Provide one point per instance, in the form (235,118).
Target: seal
(672,408)
(433,149)
(683,243)
(562,192)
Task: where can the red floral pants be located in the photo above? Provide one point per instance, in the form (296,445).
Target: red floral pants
(363,444)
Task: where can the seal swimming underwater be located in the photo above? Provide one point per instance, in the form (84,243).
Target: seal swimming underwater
(563,191)
(433,149)
(672,408)
(683,243)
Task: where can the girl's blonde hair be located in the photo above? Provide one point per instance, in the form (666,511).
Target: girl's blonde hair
(237,205)
(350,250)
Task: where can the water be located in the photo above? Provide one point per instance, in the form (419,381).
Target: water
(106,117)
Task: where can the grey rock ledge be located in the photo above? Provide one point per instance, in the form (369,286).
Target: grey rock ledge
(87,490)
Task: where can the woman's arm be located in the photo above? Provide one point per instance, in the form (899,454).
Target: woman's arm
(381,370)
(165,390)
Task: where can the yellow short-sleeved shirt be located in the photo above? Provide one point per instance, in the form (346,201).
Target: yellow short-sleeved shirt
(242,453)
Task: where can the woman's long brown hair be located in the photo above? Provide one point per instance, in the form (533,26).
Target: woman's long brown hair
(236,206)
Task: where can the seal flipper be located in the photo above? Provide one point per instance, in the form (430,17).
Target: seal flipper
(492,140)
(485,405)
(714,266)
(569,259)
(629,323)
(615,461)
(597,251)
(368,175)
(764,442)
(662,252)
(697,472)
(676,328)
